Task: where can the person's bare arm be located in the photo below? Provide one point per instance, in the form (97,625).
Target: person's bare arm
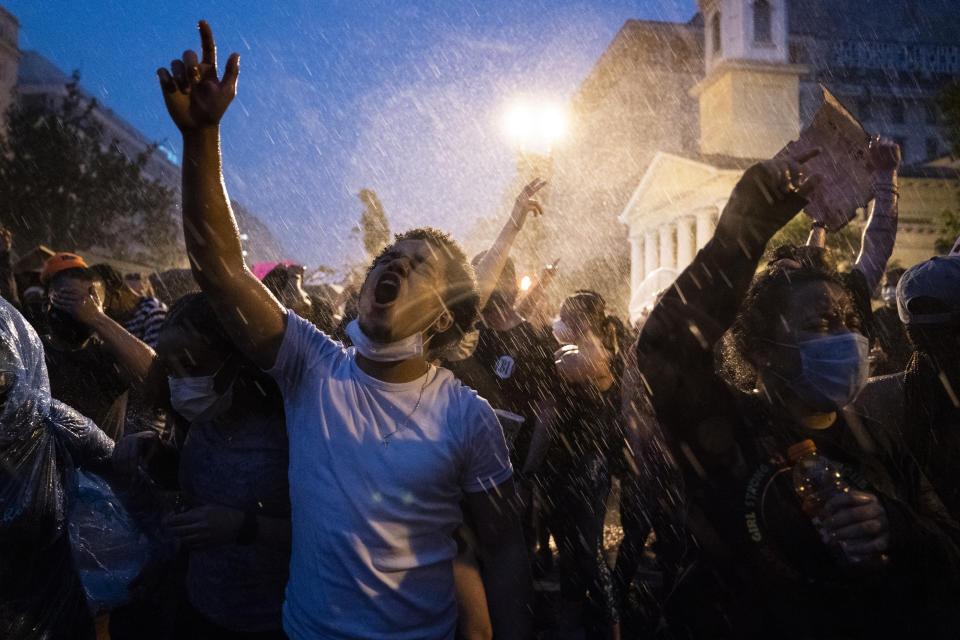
(134,357)
(196,100)
(488,271)
(880,233)
(503,554)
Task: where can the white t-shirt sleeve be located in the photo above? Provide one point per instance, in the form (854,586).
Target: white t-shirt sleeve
(304,349)
(487,457)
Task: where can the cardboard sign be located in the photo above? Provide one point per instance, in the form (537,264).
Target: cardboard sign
(847,179)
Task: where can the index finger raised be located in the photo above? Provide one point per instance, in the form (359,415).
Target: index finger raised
(207,45)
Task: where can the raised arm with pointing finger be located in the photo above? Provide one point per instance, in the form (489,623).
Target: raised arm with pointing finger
(196,100)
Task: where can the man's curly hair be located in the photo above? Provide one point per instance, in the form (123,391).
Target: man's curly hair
(461,296)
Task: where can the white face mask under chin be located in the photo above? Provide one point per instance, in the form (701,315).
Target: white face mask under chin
(402,349)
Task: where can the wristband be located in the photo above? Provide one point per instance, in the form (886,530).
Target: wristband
(247,532)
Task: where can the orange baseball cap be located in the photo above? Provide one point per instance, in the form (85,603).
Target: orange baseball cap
(58,262)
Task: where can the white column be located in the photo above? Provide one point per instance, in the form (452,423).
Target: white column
(667,259)
(636,262)
(705,225)
(686,241)
(651,259)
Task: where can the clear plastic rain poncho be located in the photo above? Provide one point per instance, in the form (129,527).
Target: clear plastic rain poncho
(42,441)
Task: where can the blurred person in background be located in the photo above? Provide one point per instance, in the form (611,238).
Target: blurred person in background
(141,315)
(893,348)
(228,459)
(140,284)
(577,451)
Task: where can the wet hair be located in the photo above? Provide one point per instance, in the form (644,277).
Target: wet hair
(762,309)
(460,297)
(110,277)
(892,276)
(144,280)
(277,280)
(590,306)
(194,313)
(87,274)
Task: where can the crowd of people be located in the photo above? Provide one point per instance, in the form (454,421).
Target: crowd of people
(406,463)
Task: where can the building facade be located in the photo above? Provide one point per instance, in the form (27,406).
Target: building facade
(673,110)
(761,84)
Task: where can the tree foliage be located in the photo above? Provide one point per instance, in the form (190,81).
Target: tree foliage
(65,184)
(373,223)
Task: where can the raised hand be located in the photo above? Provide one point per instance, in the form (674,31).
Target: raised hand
(84,306)
(195,98)
(786,178)
(526,203)
(883,154)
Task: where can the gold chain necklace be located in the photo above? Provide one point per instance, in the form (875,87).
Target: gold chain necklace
(406,420)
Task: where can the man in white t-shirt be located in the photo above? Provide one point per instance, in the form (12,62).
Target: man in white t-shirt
(384,447)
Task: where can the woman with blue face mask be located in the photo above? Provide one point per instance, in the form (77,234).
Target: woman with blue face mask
(231,457)
(795,361)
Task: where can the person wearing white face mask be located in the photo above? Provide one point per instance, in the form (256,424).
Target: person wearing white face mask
(383,445)
(230,459)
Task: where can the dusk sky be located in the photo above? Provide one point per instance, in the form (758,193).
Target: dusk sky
(403,98)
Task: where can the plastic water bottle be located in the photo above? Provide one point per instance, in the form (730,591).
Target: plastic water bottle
(816,480)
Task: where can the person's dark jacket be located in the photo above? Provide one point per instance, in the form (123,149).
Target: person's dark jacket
(763,568)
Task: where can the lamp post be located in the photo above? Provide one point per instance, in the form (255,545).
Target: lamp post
(533,127)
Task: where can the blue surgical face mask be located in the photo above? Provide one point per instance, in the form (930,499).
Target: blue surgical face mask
(834,370)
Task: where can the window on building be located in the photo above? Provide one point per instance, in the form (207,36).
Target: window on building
(761,21)
(933,148)
(931,113)
(715,34)
(896,111)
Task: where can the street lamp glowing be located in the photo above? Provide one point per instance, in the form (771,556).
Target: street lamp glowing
(535,126)
(525,283)
(553,123)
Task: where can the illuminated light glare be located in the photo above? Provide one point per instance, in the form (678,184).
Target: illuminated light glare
(535,127)
(518,122)
(525,283)
(553,123)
